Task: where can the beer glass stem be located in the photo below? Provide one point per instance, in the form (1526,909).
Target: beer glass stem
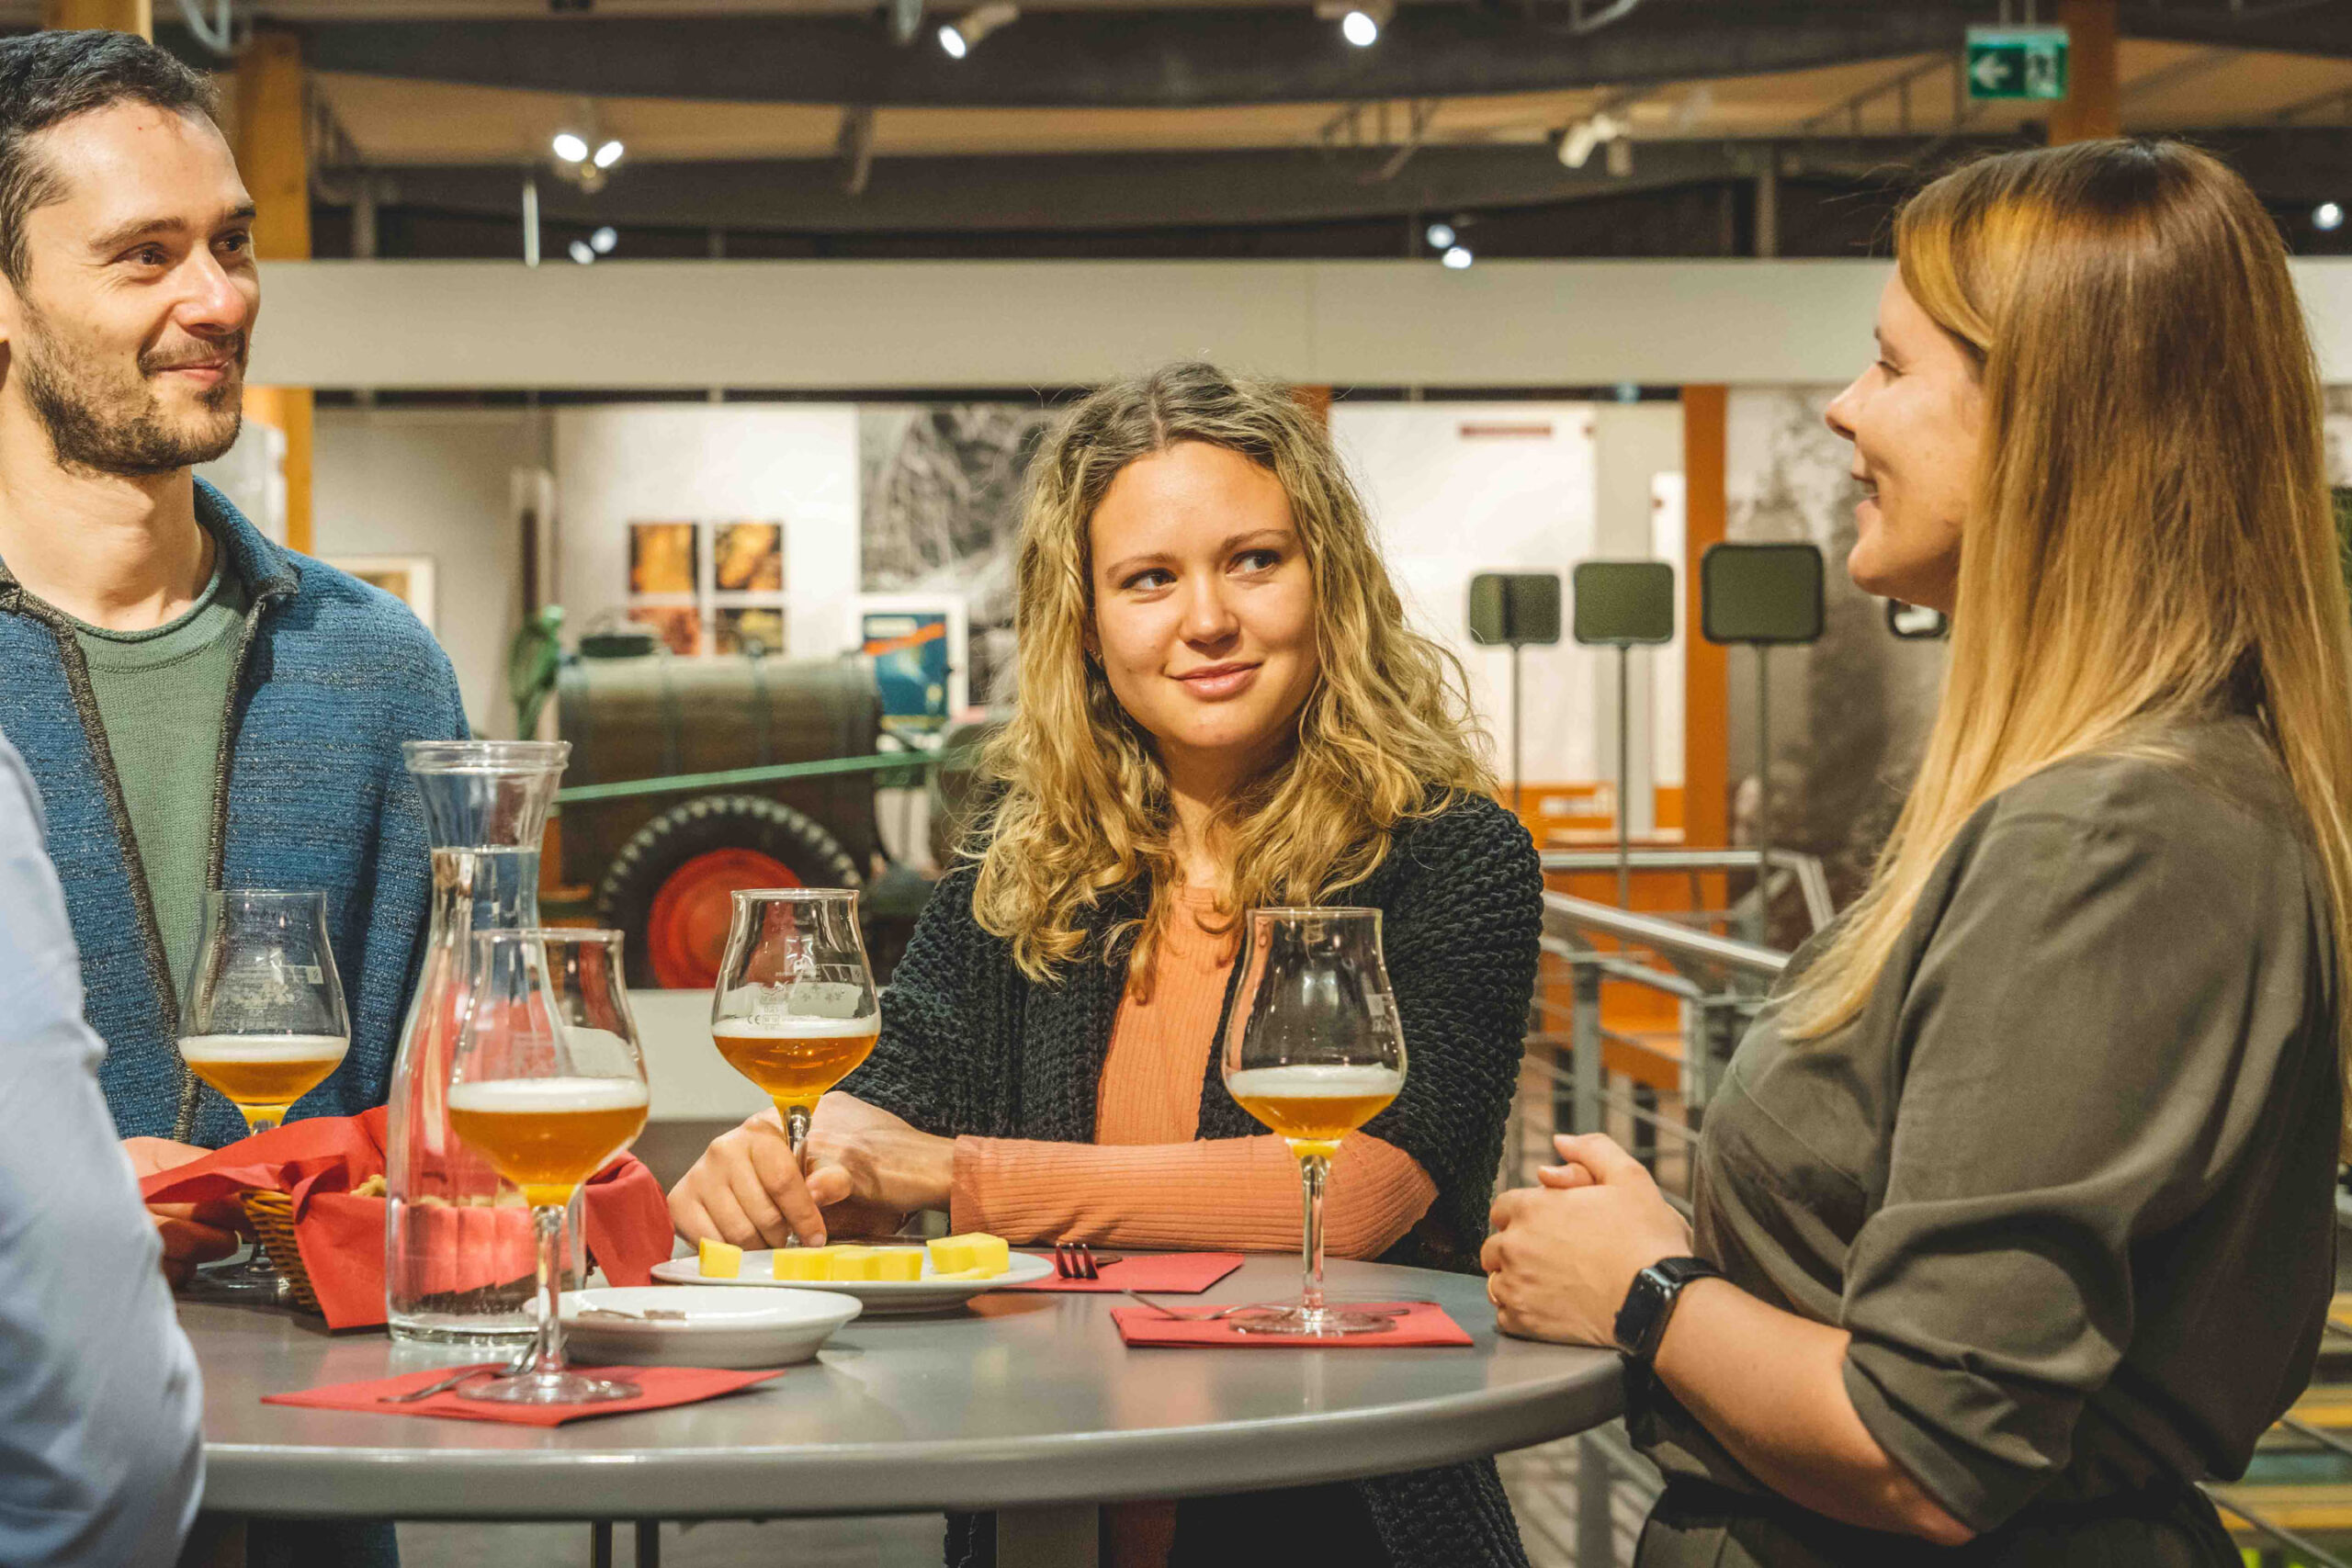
(1315,1175)
(546,1354)
(260,1122)
(796,1127)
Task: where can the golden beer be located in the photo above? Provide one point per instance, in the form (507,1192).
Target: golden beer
(1314,1107)
(795,1060)
(548,1135)
(264,1075)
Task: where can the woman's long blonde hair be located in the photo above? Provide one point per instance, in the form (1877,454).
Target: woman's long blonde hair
(1385,734)
(2151,537)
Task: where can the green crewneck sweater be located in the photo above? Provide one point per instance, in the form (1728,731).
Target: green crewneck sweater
(163,695)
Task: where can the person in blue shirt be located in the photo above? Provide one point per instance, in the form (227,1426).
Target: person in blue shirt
(100,1458)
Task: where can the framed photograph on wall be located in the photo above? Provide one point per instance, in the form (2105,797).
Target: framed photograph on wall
(747,558)
(663,558)
(678,625)
(409,579)
(915,641)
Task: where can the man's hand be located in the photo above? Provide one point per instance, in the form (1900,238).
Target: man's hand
(1563,1255)
(191,1233)
(867,1171)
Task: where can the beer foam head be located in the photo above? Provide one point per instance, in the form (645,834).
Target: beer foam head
(256,1048)
(508,1096)
(792,1027)
(1307,1081)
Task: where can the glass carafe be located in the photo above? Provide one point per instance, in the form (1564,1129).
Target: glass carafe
(460,1265)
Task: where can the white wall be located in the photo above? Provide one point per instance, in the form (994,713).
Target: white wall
(435,483)
(1459,489)
(797,463)
(818,324)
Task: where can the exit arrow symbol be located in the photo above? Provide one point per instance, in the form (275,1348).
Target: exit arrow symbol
(1990,70)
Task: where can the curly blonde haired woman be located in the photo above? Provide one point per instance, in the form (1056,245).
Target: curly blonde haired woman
(1221,705)
(2022,1191)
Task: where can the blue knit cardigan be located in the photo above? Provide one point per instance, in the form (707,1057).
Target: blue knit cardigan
(331,676)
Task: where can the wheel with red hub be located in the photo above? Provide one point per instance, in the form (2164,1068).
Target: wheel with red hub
(670,890)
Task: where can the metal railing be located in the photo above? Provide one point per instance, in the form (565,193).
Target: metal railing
(1789,865)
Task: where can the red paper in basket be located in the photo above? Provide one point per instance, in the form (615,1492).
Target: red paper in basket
(1422,1324)
(663,1386)
(1174,1273)
(318,1160)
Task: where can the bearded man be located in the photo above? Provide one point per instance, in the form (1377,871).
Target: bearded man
(199,706)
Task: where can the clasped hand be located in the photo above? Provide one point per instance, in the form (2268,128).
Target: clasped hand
(1563,1253)
(867,1170)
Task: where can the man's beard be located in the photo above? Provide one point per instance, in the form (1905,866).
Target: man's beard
(97,422)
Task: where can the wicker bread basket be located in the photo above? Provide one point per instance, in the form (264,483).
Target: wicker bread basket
(272,1215)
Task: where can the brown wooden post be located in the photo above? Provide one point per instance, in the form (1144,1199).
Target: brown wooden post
(119,16)
(1316,400)
(273,154)
(1706,686)
(2094,103)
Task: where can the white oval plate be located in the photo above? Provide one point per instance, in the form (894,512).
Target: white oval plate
(877,1296)
(721,1328)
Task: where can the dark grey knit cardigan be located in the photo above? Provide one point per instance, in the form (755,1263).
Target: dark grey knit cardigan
(968,1045)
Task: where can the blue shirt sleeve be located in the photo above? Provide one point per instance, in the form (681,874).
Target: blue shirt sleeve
(101,1458)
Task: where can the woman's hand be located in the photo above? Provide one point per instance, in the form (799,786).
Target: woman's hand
(191,1233)
(1563,1255)
(867,1169)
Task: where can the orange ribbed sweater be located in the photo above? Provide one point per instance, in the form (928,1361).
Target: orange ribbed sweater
(1146,1180)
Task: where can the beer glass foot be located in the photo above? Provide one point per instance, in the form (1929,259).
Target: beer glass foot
(548,1388)
(254,1279)
(1307,1323)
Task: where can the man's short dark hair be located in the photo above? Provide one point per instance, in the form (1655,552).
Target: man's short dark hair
(50,76)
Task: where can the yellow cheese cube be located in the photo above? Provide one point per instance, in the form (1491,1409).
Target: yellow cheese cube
(720,1261)
(804,1262)
(990,1255)
(900,1263)
(852,1263)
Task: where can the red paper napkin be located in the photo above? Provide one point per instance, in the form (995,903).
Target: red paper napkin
(663,1386)
(1173,1273)
(1422,1324)
(318,1160)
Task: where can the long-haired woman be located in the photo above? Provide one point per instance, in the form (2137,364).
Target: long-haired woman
(2022,1185)
(1221,705)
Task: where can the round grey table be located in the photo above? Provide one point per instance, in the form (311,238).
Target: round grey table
(1028,1406)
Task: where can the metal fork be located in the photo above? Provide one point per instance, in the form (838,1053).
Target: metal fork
(1076,1260)
(518,1364)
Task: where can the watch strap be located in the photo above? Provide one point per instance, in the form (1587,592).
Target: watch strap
(1650,1303)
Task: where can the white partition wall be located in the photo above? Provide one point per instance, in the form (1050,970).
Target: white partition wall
(1458,489)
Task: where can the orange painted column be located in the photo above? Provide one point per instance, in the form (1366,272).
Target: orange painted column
(117,16)
(1316,400)
(1706,690)
(2094,103)
(273,154)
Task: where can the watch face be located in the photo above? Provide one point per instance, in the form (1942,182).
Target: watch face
(1638,1319)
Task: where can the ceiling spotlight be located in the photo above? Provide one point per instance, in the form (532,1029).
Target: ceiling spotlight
(571,146)
(581,253)
(1360,29)
(1440,236)
(603,241)
(610,154)
(961,37)
(1577,142)
(2327,217)
(1457,257)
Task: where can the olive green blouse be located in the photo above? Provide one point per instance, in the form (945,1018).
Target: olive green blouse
(2068,1180)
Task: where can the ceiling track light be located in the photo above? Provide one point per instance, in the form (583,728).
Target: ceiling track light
(959,38)
(1361,21)
(1580,140)
(2327,217)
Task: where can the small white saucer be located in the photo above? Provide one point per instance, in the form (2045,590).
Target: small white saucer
(721,1328)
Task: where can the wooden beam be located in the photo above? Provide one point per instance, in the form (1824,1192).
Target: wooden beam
(2094,103)
(273,154)
(117,16)
(1706,684)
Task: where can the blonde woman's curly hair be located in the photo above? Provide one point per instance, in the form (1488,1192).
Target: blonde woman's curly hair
(1385,735)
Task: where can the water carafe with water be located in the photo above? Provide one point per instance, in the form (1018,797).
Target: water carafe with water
(459,1265)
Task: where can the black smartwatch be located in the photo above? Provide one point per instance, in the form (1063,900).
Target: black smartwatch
(1640,1322)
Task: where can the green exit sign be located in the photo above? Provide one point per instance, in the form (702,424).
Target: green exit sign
(2017,62)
